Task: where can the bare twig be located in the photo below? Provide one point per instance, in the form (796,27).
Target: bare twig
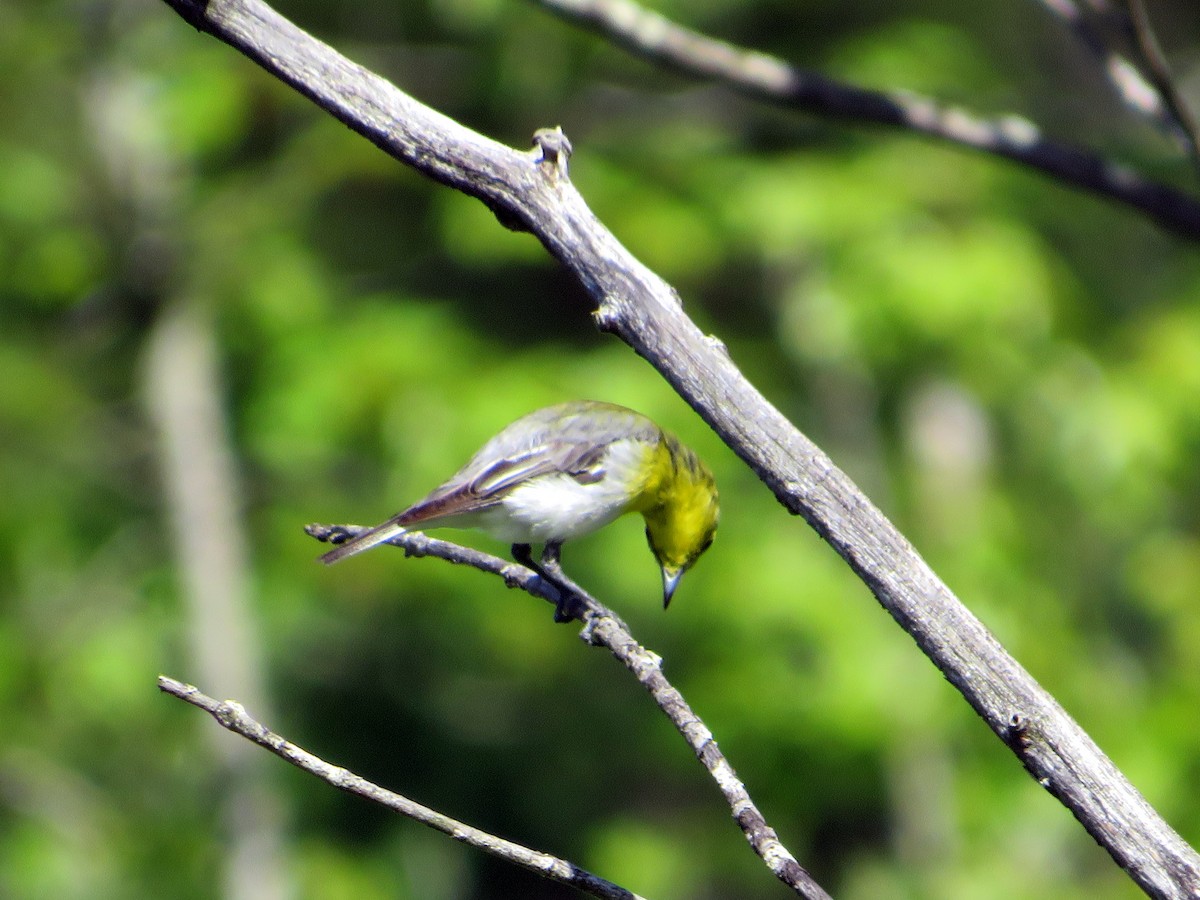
(772,80)
(647,667)
(604,629)
(233,716)
(532,191)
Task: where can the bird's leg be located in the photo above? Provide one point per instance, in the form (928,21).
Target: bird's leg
(569,605)
(523,554)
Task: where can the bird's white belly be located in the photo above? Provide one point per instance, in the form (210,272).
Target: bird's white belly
(559,508)
(553,508)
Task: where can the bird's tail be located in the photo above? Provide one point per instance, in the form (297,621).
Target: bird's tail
(365,541)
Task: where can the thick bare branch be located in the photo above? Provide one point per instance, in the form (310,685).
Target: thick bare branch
(602,628)
(232,715)
(772,80)
(532,190)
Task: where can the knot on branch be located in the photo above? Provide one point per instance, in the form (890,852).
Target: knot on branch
(230,713)
(1019,734)
(551,150)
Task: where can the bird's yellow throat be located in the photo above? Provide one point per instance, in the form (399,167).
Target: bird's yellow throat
(680,505)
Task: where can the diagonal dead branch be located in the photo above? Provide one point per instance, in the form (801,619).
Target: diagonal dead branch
(771,80)
(602,628)
(533,191)
(232,715)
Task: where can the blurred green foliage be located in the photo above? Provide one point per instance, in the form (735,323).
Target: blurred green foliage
(1011,370)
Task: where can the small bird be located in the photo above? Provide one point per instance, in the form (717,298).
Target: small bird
(565,471)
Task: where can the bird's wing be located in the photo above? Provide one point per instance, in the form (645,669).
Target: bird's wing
(570,438)
(485,482)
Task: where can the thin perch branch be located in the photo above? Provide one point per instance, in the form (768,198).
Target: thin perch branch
(604,629)
(771,80)
(233,716)
(532,191)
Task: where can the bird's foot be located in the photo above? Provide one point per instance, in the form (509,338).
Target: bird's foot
(570,605)
(572,600)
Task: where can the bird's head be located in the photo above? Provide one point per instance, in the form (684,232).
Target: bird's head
(681,527)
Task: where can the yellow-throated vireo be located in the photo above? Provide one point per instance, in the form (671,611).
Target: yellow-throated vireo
(563,472)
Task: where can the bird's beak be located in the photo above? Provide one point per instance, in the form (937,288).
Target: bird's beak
(670,582)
